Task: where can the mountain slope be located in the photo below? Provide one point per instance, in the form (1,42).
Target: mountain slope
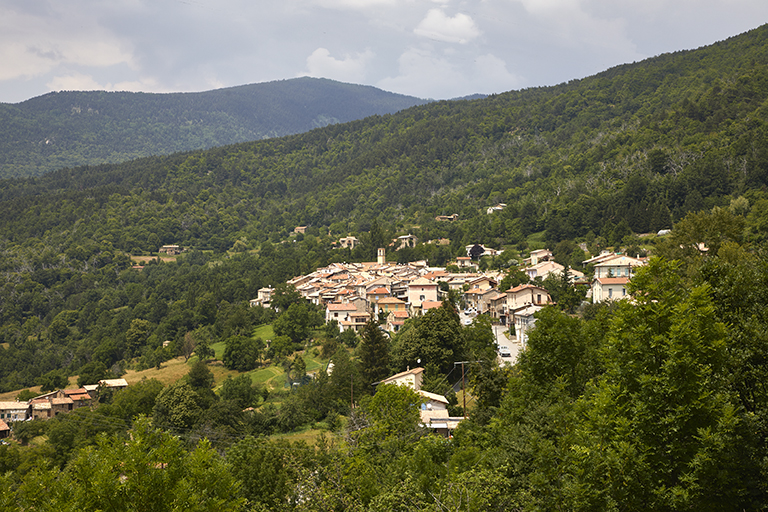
(639,144)
(67,129)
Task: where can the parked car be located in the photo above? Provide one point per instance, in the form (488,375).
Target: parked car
(504,351)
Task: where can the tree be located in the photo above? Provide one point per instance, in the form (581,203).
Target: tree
(137,335)
(434,337)
(54,379)
(176,408)
(665,384)
(126,475)
(242,353)
(240,390)
(92,373)
(188,346)
(373,353)
(201,379)
(514,277)
(296,322)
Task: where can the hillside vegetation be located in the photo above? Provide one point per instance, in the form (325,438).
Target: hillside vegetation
(67,129)
(656,403)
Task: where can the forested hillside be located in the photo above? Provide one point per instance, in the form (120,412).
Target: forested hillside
(67,129)
(655,403)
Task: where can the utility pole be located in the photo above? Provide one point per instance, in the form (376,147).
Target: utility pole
(463,389)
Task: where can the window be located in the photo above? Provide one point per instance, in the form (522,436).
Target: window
(610,292)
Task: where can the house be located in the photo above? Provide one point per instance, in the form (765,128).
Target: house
(356,322)
(349,242)
(525,294)
(609,288)
(617,266)
(170,250)
(80,397)
(405,241)
(483,282)
(472,298)
(396,320)
(14,411)
(263,297)
(497,305)
(388,304)
(410,377)
(524,321)
(115,384)
(537,256)
(497,208)
(464,262)
(421,290)
(39,409)
(375,295)
(545,268)
(434,414)
(339,312)
(300,230)
(447,218)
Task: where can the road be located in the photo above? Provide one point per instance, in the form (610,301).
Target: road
(499,332)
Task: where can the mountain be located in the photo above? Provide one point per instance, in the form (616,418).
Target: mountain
(66,129)
(631,150)
(637,146)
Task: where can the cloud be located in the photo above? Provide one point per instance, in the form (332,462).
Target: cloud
(34,43)
(425,73)
(349,69)
(458,29)
(81,82)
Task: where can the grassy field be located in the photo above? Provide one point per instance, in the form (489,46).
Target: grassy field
(536,241)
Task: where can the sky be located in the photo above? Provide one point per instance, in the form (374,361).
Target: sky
(431,49)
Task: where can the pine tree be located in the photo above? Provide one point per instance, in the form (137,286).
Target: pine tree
(374,353)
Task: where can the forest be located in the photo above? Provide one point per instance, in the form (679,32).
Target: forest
(72,128)
(657,403)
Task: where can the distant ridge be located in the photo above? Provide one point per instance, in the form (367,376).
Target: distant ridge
(67,129)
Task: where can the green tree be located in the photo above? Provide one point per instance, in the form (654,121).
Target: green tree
(176,408)
(124,475)
(242,353)
(373,353)
(92,373)
(661,414)
(137,335)
(55,379)
(240,390)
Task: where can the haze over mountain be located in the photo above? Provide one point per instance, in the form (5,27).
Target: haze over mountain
(67,129)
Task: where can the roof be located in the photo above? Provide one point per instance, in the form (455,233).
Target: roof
(399,314)
(391,300)
(4,425)
(336,306)
(422,282)
(61,401)
(412,371)
(526,286)
(433,396)
(378,291)
(13,406)
(612,280)
(430,304)
(114,383)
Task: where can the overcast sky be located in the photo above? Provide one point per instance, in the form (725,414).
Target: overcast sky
(427,48)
